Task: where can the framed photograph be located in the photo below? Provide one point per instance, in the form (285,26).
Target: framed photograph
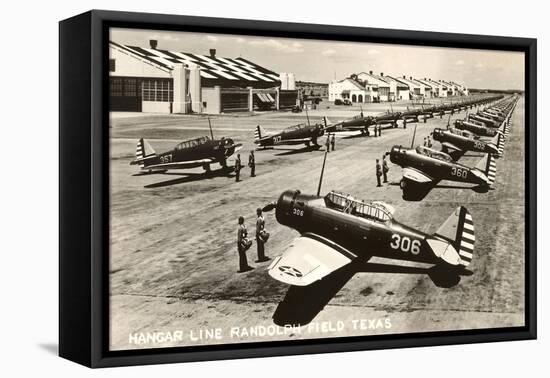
(235,188)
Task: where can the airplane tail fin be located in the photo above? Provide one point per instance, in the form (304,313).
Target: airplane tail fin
(259,133)
(325,122)
(459,238)
(488,166)
(143,151)
(500,144)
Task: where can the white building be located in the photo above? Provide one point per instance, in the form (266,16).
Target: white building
(398,90)
(429,89)
(440,89)
(349,89)
(379,85)
(416,89)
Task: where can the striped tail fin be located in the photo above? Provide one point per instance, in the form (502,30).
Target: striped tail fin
(143,151)
(491,169)
(259,133)
(500,144)
(488,166)
(458,230)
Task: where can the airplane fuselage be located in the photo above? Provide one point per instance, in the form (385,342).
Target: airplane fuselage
(475,128)
(303,135)
(435,168)
(363,237)
(463,142)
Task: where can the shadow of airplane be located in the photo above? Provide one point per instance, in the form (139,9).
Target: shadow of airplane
(302,304)
(292,151)
(360,135)
(185,177)
(419,192)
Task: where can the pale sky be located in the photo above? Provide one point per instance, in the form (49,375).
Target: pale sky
(323,61)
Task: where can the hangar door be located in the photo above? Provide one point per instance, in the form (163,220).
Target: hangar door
(125,94)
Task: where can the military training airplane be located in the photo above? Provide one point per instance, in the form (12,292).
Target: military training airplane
(297,134)
(337,229)
(198,152)
(457,142)
(476,128)
(424,167)
(357,123)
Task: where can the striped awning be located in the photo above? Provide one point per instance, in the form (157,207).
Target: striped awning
(265,97)
(237,72)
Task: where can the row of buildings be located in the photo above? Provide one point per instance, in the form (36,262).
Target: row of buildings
(153,80)
(369,87)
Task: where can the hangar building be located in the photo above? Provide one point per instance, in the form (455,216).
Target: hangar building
(161,81)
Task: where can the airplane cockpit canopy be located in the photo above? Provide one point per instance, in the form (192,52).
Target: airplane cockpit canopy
(464,133)
(378,211)
(295,127)
(433,153)
(192,143)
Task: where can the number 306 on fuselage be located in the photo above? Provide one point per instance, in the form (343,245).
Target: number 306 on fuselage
(336,229)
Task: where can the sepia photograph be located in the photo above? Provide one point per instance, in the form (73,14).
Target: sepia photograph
(280,189)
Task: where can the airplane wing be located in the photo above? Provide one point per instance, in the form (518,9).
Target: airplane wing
(454,151)
(416,175)
(181,164)
(291,141)
(451,147)
(308,259)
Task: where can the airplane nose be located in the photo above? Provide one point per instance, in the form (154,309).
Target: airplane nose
(394,154)
(284,205)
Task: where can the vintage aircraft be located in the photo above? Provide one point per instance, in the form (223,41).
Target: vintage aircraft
(297,134)
(337,229)
(476,128)
(414,115)
(358,123)
(424,167)
(489,122)
(457,142)
(198,152)
(362,122)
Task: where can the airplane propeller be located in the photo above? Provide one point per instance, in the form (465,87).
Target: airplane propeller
(270,206)
(210,126)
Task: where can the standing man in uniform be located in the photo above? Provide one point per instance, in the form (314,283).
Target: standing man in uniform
(379,130)
(242,246)
(333,141)
(429,142)
(378,172)
(252,164)
(327,144)
(260,241)
(385,168)
(238,167)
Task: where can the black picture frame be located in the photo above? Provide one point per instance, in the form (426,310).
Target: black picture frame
(84,189)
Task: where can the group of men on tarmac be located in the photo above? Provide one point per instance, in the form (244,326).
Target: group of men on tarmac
(239,166)
(331,142)
(377,130)
(244,243)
